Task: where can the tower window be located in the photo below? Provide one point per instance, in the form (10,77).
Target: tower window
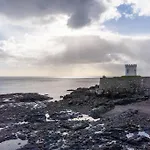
(127,70)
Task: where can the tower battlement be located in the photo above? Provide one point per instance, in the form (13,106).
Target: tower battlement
(131,65)
(131,69)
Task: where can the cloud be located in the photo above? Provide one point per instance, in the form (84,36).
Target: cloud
(109,55)
(87,50)
(80,12)
(3,54)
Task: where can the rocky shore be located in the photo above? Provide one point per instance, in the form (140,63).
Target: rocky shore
(85,119)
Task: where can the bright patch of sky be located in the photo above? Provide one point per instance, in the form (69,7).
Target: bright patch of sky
(130,22)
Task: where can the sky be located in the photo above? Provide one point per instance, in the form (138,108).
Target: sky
(74,38)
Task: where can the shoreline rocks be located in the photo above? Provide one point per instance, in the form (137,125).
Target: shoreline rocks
(62,125)
(23,97)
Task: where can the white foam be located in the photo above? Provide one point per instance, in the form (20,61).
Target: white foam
(65,133)
(84,117)
(48,118)
(21,123)
(6,100)
(129,135)
(98,132)
(1,129)
(142,133)
(2,106)
(129,148)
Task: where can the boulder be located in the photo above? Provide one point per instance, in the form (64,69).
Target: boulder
(97,112)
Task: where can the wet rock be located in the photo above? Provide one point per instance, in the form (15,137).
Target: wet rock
(35,116)
(21,136)
(75,125)
(61,96)
(97,112)
(23,97)
(64,115)
(80,126)
(138,140)
(112,147)
(71,90)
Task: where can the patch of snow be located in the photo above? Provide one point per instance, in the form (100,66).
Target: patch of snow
(12,144)
(142,133)
(129,135)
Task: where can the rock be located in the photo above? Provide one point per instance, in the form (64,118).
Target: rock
(80,126)
(24,97)
(138,140)
(35,116)
(124,101)
(97,112)
(112,147)
(75,125)
(99,92)
(21,136)
(64,115)
(61,96)
(70,90)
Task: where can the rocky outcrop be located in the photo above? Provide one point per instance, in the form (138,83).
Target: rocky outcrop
(99,111)
(23,97)
(62,125)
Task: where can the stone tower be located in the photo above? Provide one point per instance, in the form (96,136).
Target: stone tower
(131,69)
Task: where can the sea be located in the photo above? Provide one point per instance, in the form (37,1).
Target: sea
(54,87)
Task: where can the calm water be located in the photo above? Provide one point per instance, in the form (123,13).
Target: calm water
(55,87)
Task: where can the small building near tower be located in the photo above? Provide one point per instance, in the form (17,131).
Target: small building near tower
(131,69)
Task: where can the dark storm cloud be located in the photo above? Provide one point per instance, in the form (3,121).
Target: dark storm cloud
(93,49)
(81,12)
(89,49)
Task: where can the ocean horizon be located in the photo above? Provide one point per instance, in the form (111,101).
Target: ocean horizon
(54,87)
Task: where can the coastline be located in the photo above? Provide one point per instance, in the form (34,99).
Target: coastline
(83,119)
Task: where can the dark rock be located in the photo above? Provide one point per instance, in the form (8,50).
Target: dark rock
(64,115)
(24,97)
(75,125)
(70,90)
(80,126)
(21,136)
(97,112)
(61,96)
(112,147)
(35,116)
(137,141)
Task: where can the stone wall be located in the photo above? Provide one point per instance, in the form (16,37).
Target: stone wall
(128,84)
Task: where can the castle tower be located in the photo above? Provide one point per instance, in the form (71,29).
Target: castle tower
(130,69)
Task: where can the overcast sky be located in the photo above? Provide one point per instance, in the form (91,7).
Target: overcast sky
(73,38)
